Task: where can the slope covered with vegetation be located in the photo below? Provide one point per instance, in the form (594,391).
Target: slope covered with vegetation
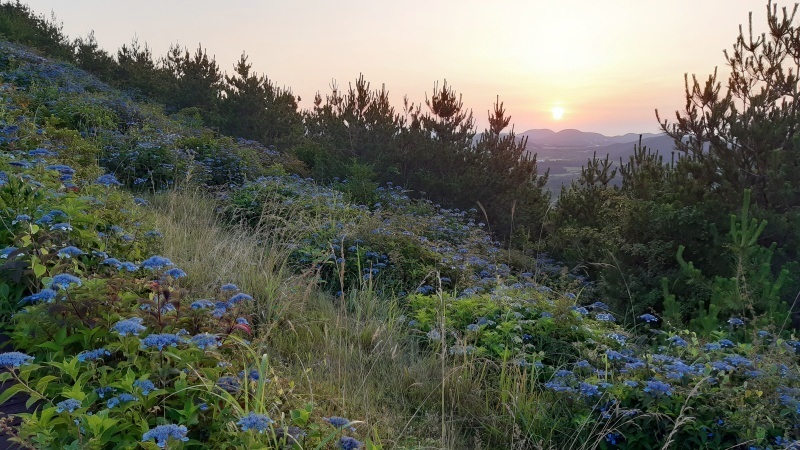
(166,286)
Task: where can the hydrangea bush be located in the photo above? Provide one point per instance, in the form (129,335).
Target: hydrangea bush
(114,352)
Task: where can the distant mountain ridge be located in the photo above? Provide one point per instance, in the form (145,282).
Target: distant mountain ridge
(563,153)
(571,138)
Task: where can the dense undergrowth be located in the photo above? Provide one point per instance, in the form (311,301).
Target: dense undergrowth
(236,304)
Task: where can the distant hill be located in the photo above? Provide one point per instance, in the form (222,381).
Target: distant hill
(570,138)
(564,152)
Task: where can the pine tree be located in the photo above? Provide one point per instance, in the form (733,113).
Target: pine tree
(253,107)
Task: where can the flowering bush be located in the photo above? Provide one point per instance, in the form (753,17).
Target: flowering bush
(114,350)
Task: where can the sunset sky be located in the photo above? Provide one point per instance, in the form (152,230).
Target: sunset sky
(607,64)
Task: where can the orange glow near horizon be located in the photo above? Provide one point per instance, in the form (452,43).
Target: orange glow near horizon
(592,56)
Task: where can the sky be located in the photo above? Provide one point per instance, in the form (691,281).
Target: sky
(607,64)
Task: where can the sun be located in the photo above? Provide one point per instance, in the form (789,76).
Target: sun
(557,112)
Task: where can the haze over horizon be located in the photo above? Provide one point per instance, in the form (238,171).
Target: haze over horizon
(605,67)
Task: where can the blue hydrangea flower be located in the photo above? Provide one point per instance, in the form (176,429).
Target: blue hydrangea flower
(649,318)
(120,399)
(677,341)
(721,366)
(45,295)
(736,322)
(64,280)
(113,262)
(146,386)
(615,355)
(157,263)
(658,388)
(205,340)
(583,364)
(242,321)
(229,384)
(175,273)
(161,340)
(108,180)
(202,304)
(588,390)
(612,438)
(14,359)
(69,405)
(253,374)
(103,391)
(620,338)
(69,252)
(763,334)
(239,298)
(253,421)
(61,227)
(7,251)
(162,433)
(92,355)
(229,287)
(348,443)
(738,361)
(62,169)
(337,422)
(40,152)
(726,343)
(128,266)
(131,326)
(21,218)
(712,346)
(605,317)
(140,201)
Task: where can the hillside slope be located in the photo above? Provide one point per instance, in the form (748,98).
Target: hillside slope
(234,305)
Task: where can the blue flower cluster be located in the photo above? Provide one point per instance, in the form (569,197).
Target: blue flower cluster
(69,405)
(161,340)
(132,326)
(14,359)
(163,433)
(256,422)
(92,355)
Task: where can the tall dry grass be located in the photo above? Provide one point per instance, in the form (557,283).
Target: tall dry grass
(353,356)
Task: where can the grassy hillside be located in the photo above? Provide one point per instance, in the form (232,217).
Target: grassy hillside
(168,287)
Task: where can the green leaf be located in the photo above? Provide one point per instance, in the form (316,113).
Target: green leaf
(8,393)
(41,385)
(39,270)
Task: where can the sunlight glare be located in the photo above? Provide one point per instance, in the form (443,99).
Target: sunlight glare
(558,112)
